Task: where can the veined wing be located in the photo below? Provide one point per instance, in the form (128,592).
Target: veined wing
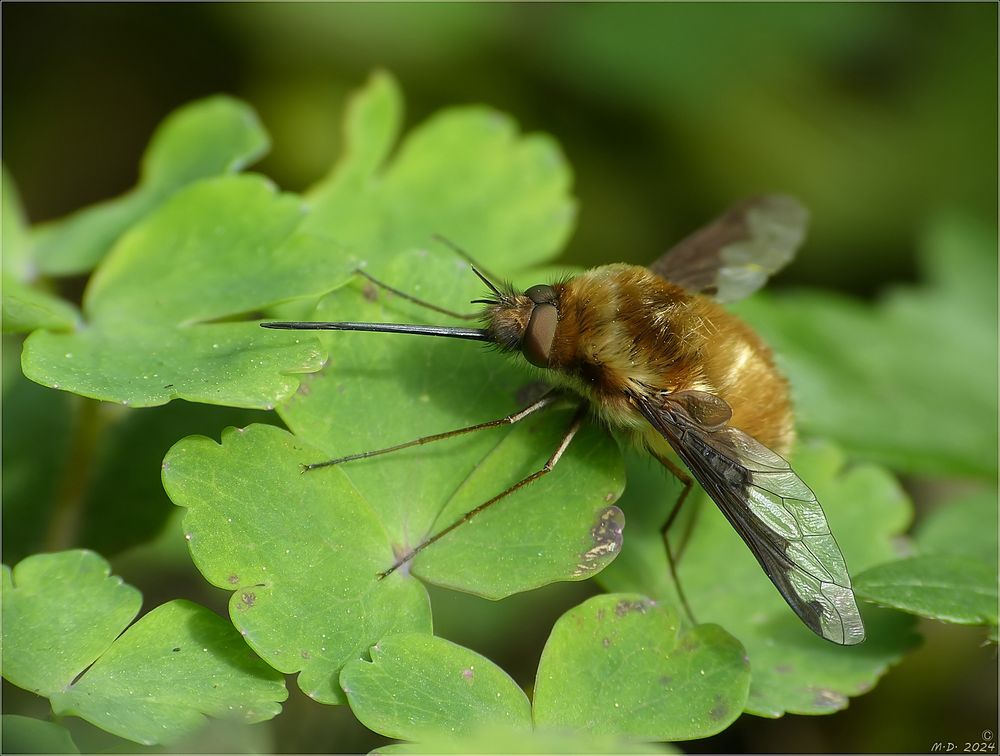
(735,254)
(775,513)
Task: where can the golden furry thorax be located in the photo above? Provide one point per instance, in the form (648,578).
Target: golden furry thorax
(623,330)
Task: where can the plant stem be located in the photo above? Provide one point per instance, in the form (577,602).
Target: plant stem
(64,527)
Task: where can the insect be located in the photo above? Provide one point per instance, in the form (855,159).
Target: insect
(652,354)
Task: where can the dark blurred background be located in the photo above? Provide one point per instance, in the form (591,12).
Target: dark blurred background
(879,116)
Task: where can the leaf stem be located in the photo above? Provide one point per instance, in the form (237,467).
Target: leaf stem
(64,526)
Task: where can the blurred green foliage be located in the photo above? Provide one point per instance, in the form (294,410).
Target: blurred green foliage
(882,118)
(876,115)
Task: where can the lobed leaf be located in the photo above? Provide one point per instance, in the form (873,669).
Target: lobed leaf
(16,260)
(908,381)
(967,527)
(119,448)
(63,614)
(26,308)
(621,665)
(499,740)
(27,305)
(793,670)
(220,248)
(166,673)
(419,687)
(300,552)
(49,634)
(206,138)
(938,586)
(29,735)
(465,174)
(562,527)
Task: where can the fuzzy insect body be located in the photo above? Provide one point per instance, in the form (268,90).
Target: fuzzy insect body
(653,354)
(623,331)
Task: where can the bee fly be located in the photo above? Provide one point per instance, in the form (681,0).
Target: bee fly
(653,355)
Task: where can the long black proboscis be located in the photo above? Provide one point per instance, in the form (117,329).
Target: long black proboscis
(473,334)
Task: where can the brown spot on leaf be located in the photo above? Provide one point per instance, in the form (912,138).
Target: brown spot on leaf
(606,642)
(606,537)
(369,292)
(306,654)
(783,669)
(719,711)
(688,644)
(666,680)
(468,674)
(625,606)
(829,699)
(864,687)
(249,599)
(233,579)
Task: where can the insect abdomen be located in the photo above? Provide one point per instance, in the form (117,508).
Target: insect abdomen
(623,329)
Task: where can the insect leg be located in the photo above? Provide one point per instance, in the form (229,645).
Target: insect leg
(686,481)
(416,300)
(546,400)
(571,431)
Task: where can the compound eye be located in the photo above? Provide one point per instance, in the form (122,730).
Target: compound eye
(540,333)
(541,294)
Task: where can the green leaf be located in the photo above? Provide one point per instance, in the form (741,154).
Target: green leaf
(25,305)
(371,126)
(206,138)
(908,381)
(621,665)
(500,740)
(948,588)
(50,633)
(16,259)
(419,686)
(176,665)
(37,425)
(381,389)
(26,308)
(793,670)
(301,553)
(29,735)
(85,472)
(967,528)
(62,618)
(465,173)
(153,306)
(218,249)
(954,577)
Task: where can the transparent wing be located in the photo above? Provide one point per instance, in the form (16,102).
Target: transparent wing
(735,254)
(775,513)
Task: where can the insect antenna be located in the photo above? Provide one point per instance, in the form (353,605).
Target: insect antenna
(473,334)
(463,254)
(416,300)
(488,282)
